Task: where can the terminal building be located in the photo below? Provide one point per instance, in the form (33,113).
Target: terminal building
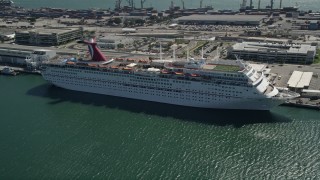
(237,20)
(48,36)
(24,57)
(274,52)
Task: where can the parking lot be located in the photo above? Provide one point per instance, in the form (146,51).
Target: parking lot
(283,73)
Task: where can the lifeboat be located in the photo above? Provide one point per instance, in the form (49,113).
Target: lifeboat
(127,68)
(92,65)
(82,64)
(70,63)
(119,59)
(164,72)
(178,73)
(102,66)
(142,61)
(130,60)
(114,67)
(195,75)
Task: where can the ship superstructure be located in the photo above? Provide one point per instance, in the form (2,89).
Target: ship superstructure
(224,84)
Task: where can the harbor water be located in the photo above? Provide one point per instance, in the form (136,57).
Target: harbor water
(52,133)
(164,4)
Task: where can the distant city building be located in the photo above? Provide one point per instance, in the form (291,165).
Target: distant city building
(274,52)
(48,36)
(242,20)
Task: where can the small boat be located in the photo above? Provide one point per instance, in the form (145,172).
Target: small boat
(8,71)
(92,65)
(142,61)
(195,75)
(119,59)
(164,72)
(70,63)
(130,60)
(127,68)
(178,73)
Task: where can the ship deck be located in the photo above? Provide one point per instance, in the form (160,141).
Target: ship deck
(129,64)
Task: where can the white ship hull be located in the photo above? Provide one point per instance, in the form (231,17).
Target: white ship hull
(155,89)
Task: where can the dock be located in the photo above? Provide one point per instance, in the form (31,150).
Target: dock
(21,70)
(307,103)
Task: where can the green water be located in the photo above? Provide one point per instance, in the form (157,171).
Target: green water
(51,133)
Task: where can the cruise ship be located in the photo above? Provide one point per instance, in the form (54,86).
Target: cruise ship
(223,84)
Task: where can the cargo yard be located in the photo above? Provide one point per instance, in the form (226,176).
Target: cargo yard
(282,42)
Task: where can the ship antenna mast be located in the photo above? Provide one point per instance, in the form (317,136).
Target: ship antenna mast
(188,54)
(174,46)
(160,51)
(202,53)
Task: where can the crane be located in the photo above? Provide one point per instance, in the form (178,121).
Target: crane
(130,2)
(118,4)
(271,4)
(142,2)
(182,1)
(251,6)
(244,4)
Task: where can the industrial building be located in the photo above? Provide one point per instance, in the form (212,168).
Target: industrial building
(274,52)
(111,42)
(48,36)
(239,20)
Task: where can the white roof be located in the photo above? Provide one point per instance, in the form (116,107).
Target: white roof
(129,29)
(173,25)
(305,80)
(131,65)
(294,79)
(311,91)
(258,67)
(300,79)
(279,47)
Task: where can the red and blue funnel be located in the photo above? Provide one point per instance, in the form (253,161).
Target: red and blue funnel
(96,54)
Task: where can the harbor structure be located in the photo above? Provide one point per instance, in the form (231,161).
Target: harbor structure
(25,57)
(246,20)
(14,56)
(274,52)
(113,42)
(48,36)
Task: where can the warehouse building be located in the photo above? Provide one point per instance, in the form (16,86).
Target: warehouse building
(274,52)
(239,20)
(48,36)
